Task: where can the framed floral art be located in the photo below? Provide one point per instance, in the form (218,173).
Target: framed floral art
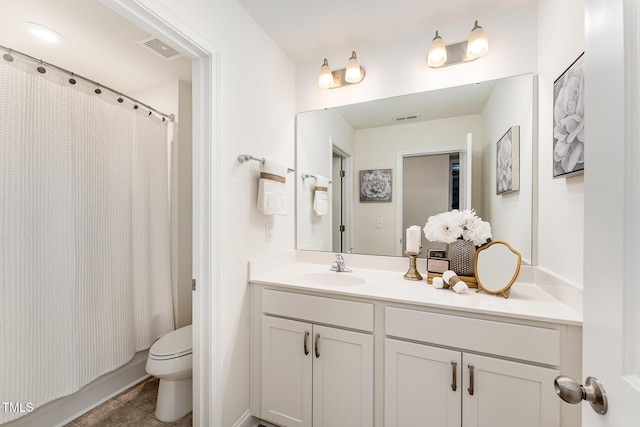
(568,121)
(508,161)
(375,185)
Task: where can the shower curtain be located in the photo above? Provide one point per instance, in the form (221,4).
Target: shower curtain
(85,277)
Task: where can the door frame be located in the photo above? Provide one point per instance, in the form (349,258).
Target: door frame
(347,166)
(400,156)
(205,58)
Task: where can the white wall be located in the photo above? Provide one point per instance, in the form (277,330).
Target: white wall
(400,68)
(560,201)
(256,111)
(374,151)
(511,103)
(317,133)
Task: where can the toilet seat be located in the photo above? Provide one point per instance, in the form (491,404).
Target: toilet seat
(175,344)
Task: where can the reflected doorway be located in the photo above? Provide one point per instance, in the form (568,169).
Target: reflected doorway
(340,201)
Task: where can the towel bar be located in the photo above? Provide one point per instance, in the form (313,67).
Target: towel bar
(308,175)
(246,157)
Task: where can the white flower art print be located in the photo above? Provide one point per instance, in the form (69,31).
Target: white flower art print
(568,121)
(375,185)
(508,161)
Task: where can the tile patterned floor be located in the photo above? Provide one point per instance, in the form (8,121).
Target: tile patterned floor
(133,407)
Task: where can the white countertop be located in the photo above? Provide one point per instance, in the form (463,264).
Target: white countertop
(383,280)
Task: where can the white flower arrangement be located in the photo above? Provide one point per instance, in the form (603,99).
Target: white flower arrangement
(447,227)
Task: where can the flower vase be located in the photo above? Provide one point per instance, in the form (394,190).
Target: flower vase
(461,254)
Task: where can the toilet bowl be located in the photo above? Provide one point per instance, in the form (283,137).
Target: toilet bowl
(171,360)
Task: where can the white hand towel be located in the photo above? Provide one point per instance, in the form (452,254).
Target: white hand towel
(321,197)
(272,189)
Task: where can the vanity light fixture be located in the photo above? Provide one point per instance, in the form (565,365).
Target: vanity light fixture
(353,74)
(441,55)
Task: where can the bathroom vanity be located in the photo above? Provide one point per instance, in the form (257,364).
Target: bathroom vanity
(369,348)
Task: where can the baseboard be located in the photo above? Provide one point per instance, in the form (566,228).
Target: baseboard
(64,410)
(247,420)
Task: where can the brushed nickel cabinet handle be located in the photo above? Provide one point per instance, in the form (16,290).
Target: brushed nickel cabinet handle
(454,377)
(317,345)
(470,389)
(306,338)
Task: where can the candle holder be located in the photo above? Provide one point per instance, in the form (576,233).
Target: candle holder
(412,273)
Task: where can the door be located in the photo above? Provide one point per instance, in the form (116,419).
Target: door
(337,204)
(286,371)
(342,378)
(501,393)
(426,191)
(422,385)
(611,329)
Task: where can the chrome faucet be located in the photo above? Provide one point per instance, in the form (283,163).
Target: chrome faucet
(338,265)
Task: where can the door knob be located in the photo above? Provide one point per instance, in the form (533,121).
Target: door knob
(571,392)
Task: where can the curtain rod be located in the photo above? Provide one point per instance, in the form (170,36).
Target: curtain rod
(9,58)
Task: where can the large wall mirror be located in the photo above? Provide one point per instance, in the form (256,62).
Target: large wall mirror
(406,158)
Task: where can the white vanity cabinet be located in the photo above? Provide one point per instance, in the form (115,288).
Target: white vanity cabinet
(453,386)
(316,366)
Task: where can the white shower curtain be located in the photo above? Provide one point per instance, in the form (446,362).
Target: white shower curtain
(85,277)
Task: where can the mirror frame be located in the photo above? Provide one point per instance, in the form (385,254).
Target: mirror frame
(505,290)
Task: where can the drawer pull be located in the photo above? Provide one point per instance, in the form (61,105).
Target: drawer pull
(470,389)
(306,338)
(317,345)
(454,377)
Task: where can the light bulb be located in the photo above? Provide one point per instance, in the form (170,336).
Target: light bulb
(437,55)
(353,73)
(325,80)
(478,45)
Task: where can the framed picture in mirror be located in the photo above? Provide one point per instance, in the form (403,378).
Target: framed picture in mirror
(375,185)
(508,161)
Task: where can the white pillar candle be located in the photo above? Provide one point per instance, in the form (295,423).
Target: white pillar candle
(413,239)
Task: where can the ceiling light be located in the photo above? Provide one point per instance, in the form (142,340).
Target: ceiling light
(353,74)
(437,55)
(443,55)
(43,33)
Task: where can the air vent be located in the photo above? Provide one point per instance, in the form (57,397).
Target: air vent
(160,48)
(405,118)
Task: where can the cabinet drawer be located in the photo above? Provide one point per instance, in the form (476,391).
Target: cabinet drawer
(330,311)
(535,344)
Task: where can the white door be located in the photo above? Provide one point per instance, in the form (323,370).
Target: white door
(342,378)
(611,332)
(422,385)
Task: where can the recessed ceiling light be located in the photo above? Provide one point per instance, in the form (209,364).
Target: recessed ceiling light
(43,33)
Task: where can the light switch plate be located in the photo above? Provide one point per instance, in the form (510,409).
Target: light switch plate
(378,222)
(268,232)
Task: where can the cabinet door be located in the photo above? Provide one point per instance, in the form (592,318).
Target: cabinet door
(422,385)
(507,394)
(342,378)
(286,371)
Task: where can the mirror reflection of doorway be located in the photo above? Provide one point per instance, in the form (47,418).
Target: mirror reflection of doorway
(430,185)
(341,201)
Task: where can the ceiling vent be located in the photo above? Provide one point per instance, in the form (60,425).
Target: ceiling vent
(405,118)
(160,48)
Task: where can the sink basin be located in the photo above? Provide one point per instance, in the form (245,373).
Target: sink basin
(330,278)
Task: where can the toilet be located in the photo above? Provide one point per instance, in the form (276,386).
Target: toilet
(171,360)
